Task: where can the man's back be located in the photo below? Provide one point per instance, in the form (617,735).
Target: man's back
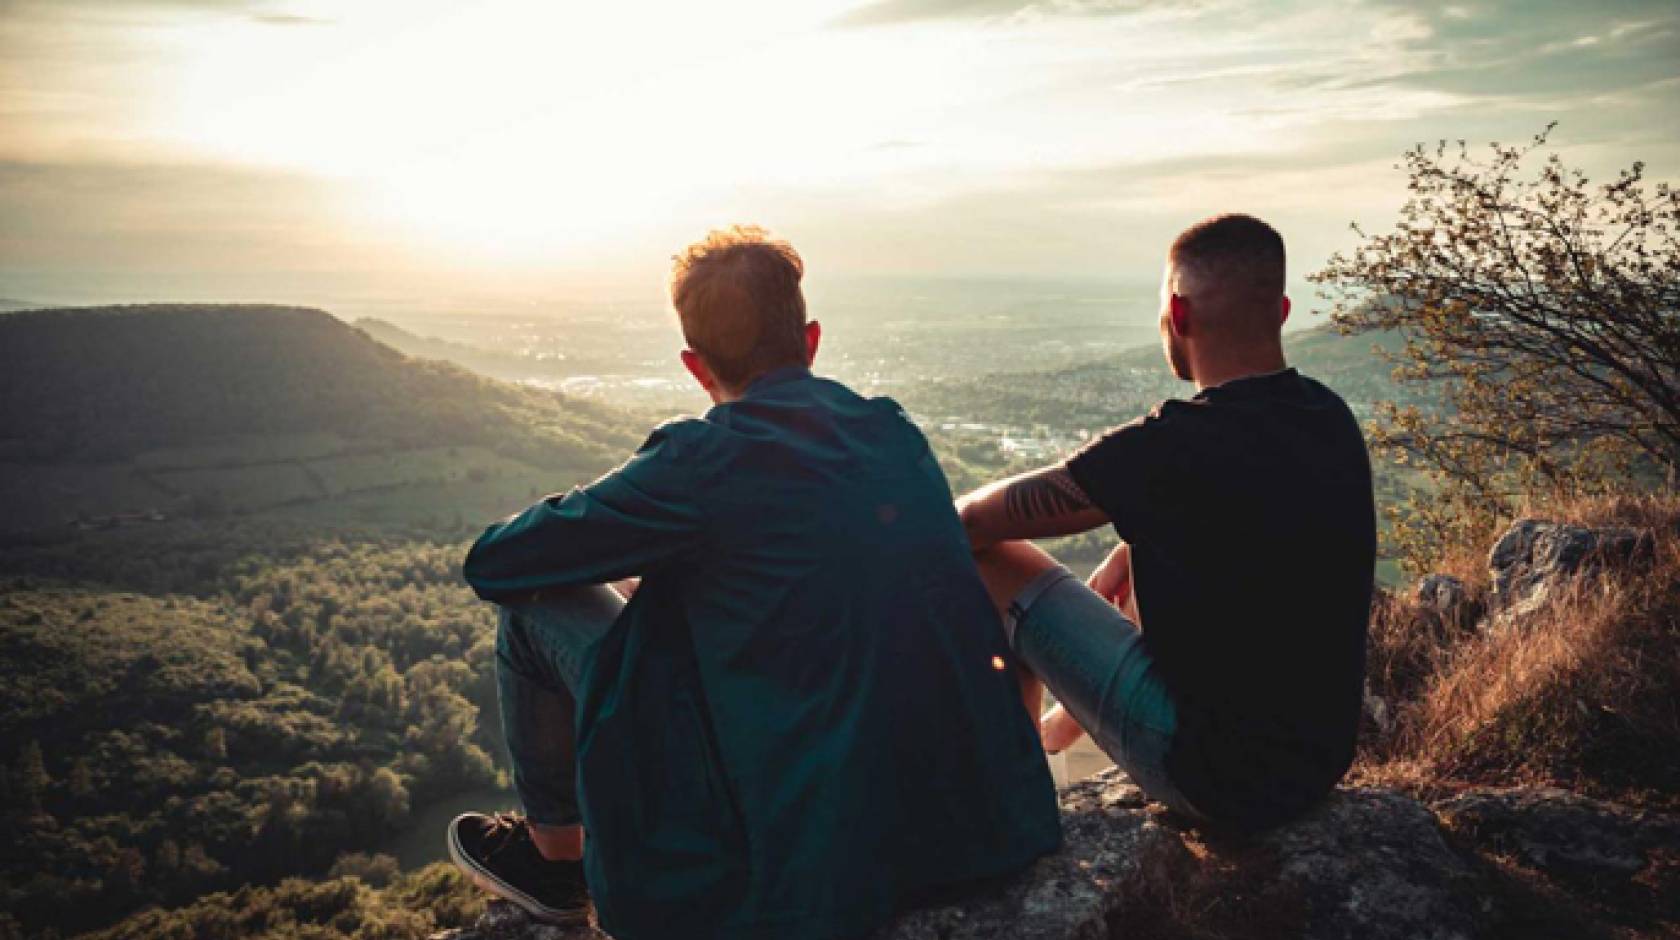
(1249,512)
(798,721)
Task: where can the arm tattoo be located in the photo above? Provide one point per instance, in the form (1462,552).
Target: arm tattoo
(1048,493)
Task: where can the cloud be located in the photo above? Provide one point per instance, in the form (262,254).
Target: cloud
(118,9)
(885,12)
(108,214)
(1013,136)
(1518,48)
(257,11)
(888,12)
(289,19)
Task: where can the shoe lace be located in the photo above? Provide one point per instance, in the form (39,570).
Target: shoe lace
(506,830)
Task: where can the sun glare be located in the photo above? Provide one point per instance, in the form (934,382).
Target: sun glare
(503,125)
(512,131)
(502,134)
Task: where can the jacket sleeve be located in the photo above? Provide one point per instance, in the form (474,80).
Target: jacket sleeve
(631,521)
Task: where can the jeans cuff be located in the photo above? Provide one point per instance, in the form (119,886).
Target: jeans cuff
(1028,595)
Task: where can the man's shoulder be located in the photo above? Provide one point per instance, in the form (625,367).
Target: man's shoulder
(1314,388)
(1198,423)
(882,413)
(678,437)
(1168,416)
(841,393)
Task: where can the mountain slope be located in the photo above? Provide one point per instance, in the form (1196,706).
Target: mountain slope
(115,414)
(113,381)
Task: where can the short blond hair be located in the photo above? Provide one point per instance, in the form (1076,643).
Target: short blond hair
(736,292)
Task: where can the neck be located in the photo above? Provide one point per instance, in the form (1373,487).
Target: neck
(1210,371)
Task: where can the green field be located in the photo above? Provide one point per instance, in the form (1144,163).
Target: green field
(242,489)
(445,489)
(39,496)
(242,449)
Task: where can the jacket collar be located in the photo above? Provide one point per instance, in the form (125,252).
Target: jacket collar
(775,377)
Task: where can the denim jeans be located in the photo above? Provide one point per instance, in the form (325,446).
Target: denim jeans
(540,646)
(1093,659)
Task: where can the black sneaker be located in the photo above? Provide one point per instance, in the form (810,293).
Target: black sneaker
(497,853)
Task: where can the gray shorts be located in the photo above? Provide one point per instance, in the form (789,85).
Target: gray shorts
(1093,659)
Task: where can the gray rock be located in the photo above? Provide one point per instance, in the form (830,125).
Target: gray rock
(1534,553)
(1449,599)
(1376,711)
(1368,864)
(1115,856)
(1561,833)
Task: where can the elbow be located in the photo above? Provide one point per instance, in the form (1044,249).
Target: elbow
(974,527)
(476,568)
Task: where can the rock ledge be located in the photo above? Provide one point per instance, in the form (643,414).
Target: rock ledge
(1369,863)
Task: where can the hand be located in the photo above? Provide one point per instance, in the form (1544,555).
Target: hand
(627,588)
(1058,730)
(1112,581)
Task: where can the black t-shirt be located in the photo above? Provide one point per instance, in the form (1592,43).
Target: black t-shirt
(1253,534)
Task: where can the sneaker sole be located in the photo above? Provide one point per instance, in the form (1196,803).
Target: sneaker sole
(496,886)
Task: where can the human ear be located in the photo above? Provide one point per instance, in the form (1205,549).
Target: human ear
(1178,309)
(697,367)
(813,338)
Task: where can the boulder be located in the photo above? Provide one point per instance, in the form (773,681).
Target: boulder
(1564,834)
(1368,863)
(1534,554)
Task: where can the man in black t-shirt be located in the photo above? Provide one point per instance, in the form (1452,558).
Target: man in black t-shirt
(1248,543)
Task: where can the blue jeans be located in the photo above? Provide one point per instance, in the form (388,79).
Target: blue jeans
(540,648)
(1092,658)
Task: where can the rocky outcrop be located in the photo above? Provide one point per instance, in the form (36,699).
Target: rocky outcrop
(1369,863)
(1534,554)
(1531,560)
(1566,835)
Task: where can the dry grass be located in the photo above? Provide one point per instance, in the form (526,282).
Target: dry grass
(1584,693)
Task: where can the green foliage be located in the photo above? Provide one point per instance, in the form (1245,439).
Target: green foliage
(158,747)
(1545,310)
(347,906)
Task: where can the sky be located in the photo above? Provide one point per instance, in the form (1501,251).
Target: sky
(307,151)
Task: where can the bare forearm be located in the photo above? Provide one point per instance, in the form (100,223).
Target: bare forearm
(1040,504)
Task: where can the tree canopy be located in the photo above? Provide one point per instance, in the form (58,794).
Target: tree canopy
(1545,309)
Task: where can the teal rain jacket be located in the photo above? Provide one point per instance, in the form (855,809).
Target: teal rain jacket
(807,715)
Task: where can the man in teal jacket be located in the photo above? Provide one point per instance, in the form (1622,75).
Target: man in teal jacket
(806,716)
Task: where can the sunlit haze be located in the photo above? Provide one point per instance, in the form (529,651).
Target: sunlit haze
(322,152)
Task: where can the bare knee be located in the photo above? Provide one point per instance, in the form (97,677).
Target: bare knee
(1007,567)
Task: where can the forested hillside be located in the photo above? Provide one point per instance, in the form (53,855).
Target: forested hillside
(162,746)
(234,642)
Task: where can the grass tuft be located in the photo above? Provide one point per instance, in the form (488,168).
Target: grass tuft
(1583,693)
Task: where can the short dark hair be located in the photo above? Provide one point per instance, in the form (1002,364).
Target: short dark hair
(1237,256)
(736,292)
